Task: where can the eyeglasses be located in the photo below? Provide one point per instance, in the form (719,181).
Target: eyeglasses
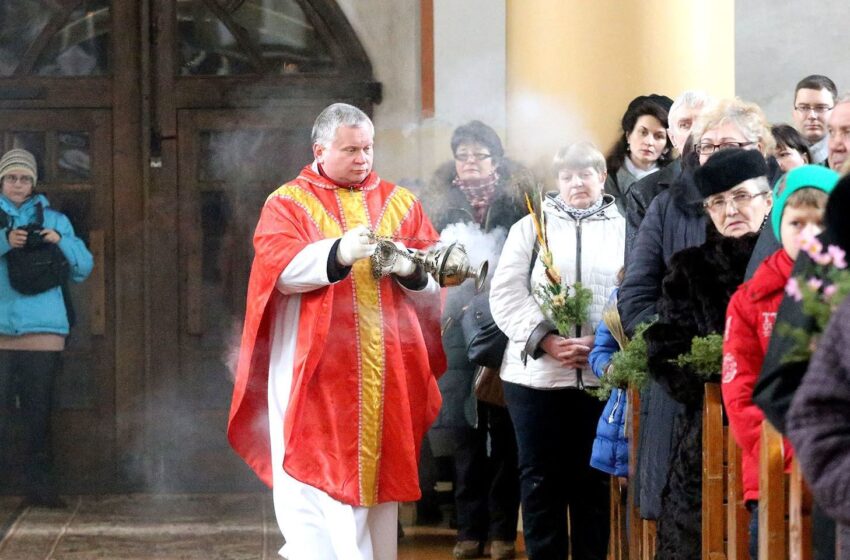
(817,109)
(22,179)
(740,200)
(477,156)
(707,148)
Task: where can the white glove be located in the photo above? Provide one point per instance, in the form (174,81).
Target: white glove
(354,245)
(402,267)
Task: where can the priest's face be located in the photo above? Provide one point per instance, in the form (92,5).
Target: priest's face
(348,159)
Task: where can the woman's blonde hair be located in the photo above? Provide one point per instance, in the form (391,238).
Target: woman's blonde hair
(579,156)
(748,117)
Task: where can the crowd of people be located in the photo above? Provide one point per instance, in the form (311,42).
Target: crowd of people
(355,367)
(700,206)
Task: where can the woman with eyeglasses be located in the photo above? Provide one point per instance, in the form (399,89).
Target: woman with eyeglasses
(643,147)
(546,374)
(695,293)
(479,188)
(675,220)
(39,254)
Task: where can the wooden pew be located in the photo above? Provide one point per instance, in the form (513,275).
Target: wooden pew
(618,541)
(634,528)
(713,475)
(737,516)
(799,516)
(772,504)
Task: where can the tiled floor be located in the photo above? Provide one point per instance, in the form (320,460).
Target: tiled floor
(168,527)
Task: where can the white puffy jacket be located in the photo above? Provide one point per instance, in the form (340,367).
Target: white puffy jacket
(596,243)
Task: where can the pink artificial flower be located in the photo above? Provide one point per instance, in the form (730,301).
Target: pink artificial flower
(814,283)
(808,241)
(822,259)
(838,256)
(830,291)
(792,288)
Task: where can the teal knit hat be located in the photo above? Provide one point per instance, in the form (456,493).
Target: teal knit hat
(803,177)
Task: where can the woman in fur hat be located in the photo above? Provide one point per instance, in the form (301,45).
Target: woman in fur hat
(695,292)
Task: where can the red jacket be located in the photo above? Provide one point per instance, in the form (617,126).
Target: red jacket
(749,324)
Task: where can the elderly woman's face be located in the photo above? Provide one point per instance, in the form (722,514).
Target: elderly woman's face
(580,187)
(473,161)
(647,141)
(739,210)
(727,135)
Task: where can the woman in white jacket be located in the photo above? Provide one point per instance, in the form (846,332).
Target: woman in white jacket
(545,372)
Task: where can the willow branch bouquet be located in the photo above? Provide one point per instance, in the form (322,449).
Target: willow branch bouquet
(819,294)
(567,305)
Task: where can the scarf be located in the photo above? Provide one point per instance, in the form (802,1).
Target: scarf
(577,213)
(479,193)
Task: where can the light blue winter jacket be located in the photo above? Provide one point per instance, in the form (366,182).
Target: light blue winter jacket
(44,312)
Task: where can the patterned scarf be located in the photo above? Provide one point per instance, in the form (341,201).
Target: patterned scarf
(479,193)
(577,213)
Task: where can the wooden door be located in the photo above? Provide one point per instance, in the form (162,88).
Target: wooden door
(237,86)
(190,113)
(74,154)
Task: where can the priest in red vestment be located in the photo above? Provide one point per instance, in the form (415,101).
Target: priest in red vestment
(336,381)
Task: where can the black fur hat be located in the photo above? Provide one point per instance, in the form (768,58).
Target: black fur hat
(728,168)
(838,213)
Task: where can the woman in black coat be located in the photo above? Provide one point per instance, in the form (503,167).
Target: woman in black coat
(695,293)
(479,188)
(674,221)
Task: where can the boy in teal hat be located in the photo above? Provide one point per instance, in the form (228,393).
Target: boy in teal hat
(751,314)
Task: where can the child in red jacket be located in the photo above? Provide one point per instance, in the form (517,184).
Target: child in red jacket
(752,312)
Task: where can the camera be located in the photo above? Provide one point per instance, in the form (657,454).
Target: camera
(34,238)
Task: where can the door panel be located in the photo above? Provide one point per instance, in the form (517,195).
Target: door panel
(230,161)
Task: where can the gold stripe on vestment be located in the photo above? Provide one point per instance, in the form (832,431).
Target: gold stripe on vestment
(324,220)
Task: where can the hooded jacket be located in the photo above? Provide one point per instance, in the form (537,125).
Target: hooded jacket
(749,324)
(589,250)
(44,312)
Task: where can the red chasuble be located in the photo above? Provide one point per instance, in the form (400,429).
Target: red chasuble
(367,353)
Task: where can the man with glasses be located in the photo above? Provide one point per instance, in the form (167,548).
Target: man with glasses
(814,99)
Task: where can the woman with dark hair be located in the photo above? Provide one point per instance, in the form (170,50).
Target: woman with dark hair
(479,188)
(792,149)
(643,147)
(695,293)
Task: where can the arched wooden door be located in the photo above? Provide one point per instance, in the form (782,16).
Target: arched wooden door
(193,110)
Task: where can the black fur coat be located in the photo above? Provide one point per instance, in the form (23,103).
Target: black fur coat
(695,293)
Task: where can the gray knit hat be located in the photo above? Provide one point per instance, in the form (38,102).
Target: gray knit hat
(19,161)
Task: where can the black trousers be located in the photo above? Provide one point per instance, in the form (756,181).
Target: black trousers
(486,478)
(27,381)
(555,431)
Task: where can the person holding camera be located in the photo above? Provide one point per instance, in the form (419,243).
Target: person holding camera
(39,253)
